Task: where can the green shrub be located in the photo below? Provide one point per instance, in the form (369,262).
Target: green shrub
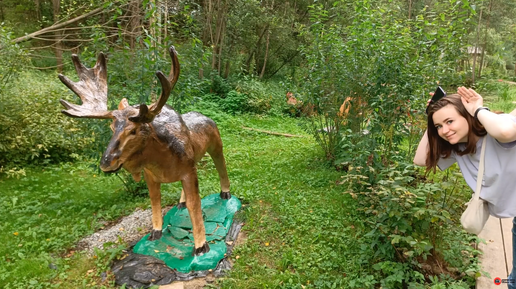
(505,92)
(33,128)
(249,96)
(218,85)
(384,64)
(410,221)
(263,97)
(235,102)
(12,57)
(133,188)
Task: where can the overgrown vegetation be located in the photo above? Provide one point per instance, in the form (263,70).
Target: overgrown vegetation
(33,130)
(340,207)
(383,65)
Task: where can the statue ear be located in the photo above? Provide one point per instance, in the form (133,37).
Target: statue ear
(123,104)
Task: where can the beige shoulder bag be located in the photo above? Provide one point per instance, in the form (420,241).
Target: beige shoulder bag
(476,214)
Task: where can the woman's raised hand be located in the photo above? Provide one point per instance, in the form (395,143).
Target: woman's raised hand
(428,101)
(471,99)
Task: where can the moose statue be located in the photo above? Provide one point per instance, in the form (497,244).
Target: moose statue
(156,139)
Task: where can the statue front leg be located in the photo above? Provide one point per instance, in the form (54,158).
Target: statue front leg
(193,204)
(155,196)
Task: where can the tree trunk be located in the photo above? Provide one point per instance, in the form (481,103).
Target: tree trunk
(409,9)
(135,23)
(267,45)
(253,52)
(201,72)
(477,43)
(216,44)
(37,5)
(226,69)
(266,55)
(207,35)
(247,66)
(485,40)
(221,47)
(2,18)
(152,21)
(158,23)
(228,60)
(57,36)
(165,25)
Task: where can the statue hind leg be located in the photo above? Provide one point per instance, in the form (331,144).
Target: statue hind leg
(217,156)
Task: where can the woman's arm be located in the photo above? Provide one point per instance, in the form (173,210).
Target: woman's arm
(422,150)
(499,127)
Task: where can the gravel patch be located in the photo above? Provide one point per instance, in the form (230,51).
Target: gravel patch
(130,229)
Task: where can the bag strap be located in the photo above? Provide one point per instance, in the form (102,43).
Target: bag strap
(480,175)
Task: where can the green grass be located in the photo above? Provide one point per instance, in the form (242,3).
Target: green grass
(47,211)
(499,96)
(298,222)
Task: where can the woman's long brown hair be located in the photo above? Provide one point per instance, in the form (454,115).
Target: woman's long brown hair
(437,146)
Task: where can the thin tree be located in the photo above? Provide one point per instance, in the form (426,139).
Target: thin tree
(217,41)
(56,5)
(38,9)
(484,46)
(409,9)
(165,24)
(135,22)
(255,50)
(267,45)
(477,43)
(266,54)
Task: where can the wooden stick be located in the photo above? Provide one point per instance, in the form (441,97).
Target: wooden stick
(271,132)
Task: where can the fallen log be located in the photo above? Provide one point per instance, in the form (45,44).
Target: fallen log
(271,132)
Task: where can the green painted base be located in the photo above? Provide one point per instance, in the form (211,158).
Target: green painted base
(176,245)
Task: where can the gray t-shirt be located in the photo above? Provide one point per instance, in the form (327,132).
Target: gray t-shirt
(499,182)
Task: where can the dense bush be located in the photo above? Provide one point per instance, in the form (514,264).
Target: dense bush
(246,95)
(218,85)
(33,129)
(412,225)
(385,65)
(263,97)
(12,57)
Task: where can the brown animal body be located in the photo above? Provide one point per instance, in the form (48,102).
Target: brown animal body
(157,140)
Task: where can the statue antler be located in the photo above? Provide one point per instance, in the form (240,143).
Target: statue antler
(147,114)
(91,88)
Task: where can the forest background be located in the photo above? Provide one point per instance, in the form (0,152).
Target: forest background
(354,74)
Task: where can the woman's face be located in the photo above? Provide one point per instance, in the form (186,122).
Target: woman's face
(450,125)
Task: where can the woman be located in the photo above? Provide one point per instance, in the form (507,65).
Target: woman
(457,124)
